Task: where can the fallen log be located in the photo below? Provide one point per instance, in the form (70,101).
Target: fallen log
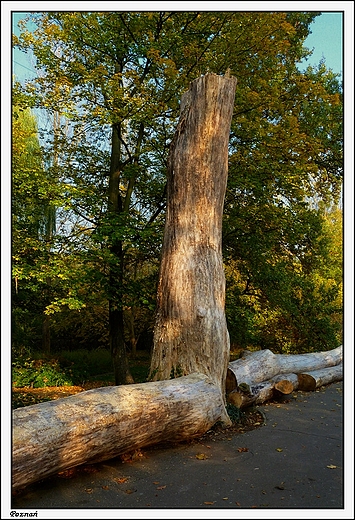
(103,423)
(283,384)
(263,365)
(324,376)
(259,393)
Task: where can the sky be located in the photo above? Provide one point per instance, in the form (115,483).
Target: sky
(326,40)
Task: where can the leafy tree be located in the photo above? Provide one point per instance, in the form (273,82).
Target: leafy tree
(286,161)
(115,79)
(33,218)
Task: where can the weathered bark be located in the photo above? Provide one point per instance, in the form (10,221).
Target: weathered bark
(103,423)
(312,361)
(324,376)
(191,332)
(260,376)
(263,365)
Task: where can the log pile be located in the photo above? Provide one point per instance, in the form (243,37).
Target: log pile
(260,376)
(103,423)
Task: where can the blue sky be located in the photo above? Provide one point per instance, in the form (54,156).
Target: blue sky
(326,39)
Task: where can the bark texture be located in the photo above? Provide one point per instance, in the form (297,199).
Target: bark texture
(316,378)
(103,423)
(263,365)
(260,376)
(191,332)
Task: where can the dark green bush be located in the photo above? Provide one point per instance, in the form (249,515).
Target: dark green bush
(39,373)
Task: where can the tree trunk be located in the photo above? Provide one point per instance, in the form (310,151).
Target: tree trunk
(132,335)
(190,331)
(46,334)
(116,323)
(103,423)
(263,365)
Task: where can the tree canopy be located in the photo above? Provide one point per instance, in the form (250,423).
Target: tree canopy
(89,191)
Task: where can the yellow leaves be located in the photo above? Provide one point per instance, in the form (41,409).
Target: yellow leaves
(153,54)
(331,466)
(201,456)
(279,449)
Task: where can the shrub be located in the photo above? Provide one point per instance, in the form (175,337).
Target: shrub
(39,373)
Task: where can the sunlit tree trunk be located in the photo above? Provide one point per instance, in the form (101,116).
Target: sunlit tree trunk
(190,332)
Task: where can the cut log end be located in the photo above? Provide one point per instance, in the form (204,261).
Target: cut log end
(284,387)
(306,383)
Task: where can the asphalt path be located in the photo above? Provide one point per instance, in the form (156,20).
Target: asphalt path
(295,460)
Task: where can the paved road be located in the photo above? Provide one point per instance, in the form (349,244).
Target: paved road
(295,460)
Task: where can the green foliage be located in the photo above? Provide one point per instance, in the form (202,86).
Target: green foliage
(67,369)
(40,373)
(290,306)
(106,74)
(234,413)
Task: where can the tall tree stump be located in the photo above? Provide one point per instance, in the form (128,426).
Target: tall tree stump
(190,331)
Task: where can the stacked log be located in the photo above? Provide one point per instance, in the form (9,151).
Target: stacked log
(262,375)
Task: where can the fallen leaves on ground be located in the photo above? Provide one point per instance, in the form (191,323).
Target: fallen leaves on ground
(249,421)
(27,396)
(331,466)
(131,456)
(201,456)
(242,449)
(67,473)
(120,480)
